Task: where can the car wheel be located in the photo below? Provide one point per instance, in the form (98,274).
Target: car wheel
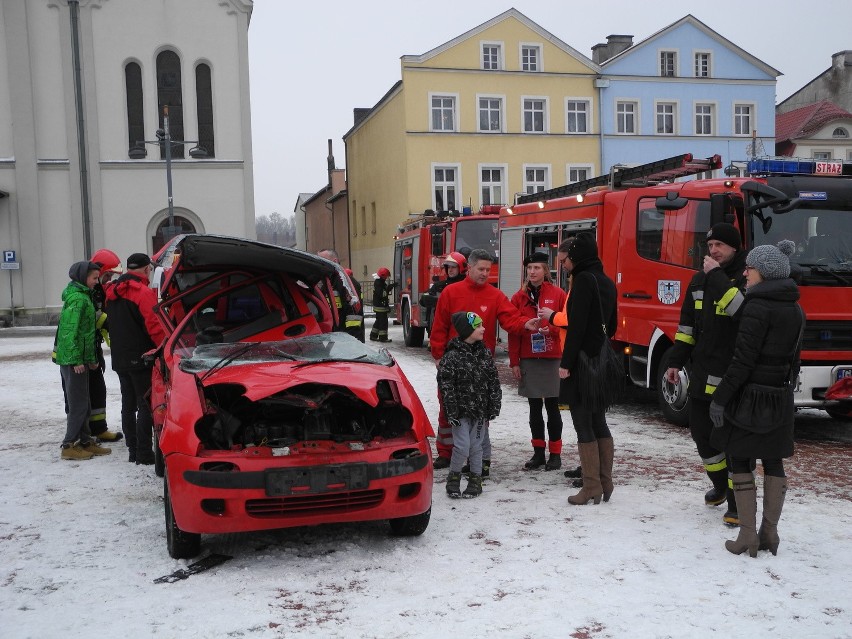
(843,413)
(181,545)
(673,398)
(413,334)
(411,526)
(159,462)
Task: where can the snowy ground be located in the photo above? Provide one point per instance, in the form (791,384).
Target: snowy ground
(82,542)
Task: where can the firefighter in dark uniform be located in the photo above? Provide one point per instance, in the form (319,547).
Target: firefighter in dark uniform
(455,269)
(381,305)
(351,318)
(706,334)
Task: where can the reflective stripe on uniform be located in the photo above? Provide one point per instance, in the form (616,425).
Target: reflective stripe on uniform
(712,382)
(698,297)
(686,339)
(354,320)
(730,302)
(717,462)
(97,415)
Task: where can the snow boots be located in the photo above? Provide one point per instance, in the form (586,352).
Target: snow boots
(474,486)
(554,462)
(746,496)
(591,464)
(537,460)
(774,490)
(606,453)
(454,485)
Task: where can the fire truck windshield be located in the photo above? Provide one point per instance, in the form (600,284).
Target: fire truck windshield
(822,233)
(476,233)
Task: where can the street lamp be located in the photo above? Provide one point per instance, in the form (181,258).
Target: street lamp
(164,139)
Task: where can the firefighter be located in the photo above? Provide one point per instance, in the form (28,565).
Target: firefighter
(705,338)
(381,305)
(351,317)
(357,286)
(455,267)
(110,266)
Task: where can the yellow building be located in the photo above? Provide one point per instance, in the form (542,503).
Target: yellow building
(504,108)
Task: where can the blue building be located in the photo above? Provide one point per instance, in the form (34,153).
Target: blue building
(685,89)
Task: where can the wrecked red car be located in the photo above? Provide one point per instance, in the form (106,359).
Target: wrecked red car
(266,416)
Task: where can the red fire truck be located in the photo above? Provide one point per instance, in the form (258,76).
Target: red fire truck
(420,247)
(651,237)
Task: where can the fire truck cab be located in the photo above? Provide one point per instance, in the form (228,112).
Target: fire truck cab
(420,247)
(651,233)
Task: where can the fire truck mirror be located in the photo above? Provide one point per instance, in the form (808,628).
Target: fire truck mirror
(721,208)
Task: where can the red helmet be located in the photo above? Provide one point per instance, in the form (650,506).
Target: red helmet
(107,260)
(456,259)
(383,272)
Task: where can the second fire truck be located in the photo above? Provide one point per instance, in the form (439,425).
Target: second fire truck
(651,233)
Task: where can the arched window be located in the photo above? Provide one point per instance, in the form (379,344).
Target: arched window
(840,132)
(135,119)
(204,101)
(164,231)
(169,93)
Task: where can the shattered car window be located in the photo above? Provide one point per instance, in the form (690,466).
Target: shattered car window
(310,349)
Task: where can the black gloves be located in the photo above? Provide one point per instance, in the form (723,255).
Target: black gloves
(717,415)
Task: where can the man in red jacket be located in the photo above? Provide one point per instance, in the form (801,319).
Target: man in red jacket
(134,329)
(473,293)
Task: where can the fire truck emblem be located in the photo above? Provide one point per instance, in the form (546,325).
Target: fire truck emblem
(668,291)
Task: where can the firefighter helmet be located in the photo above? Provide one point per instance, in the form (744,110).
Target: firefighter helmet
(456,259)
(107,260)
(383,272)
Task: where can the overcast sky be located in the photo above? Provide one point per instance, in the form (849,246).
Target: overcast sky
(313,61)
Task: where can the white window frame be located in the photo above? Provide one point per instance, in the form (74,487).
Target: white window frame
(545,116)
(849,155)
(822,155)
(675,63)
(502,109)
(539,62)
(674,115)
(504,175)
(714,109)
(501,54)
(545,184)
(589,168)
(844,135)
(635,103)
(456,114)
(457,183)
(589,111)
(702,52)
(735,117)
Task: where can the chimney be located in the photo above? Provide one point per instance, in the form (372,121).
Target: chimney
(615,44)
(360,113)
(841,59)
(330,160)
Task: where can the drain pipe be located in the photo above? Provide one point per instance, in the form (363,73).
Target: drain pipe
(74,6)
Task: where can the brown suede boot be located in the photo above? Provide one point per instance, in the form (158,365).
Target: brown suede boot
(774,490)
(606,452)
(591,463)
(746,496)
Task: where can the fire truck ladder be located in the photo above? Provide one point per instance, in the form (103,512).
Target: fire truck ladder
(625,177)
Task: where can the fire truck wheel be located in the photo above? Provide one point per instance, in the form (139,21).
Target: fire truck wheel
(413,334)
(673,398)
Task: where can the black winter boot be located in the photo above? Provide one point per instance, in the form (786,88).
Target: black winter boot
(554,462)
(574,474)
(537,460)
(474,486)
(454,485)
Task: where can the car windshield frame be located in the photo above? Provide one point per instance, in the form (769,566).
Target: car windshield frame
(308,349)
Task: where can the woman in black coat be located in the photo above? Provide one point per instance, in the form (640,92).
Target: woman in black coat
(766,352)
(579,256)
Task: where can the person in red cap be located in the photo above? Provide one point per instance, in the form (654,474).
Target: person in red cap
(134,330)
(381,305)
(705,338)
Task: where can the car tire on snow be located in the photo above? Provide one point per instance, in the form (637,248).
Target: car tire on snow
(411,526)
(181,545)
(159,462)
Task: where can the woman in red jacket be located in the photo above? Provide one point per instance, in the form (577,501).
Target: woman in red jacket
(534,359)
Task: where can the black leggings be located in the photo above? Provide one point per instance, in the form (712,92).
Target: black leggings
(589,425)
(771,467)
(554,418)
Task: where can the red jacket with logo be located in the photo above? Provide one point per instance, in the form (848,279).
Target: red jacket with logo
(520,346)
